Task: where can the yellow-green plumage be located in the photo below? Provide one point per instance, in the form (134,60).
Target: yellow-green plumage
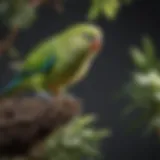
(61,61)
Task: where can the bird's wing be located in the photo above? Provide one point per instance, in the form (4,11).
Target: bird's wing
(44,67)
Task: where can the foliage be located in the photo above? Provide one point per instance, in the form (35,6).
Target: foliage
(109,8)
(77,139)
(22,13)
(144,87)
(17,13)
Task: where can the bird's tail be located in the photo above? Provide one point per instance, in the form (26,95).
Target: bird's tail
(11,86)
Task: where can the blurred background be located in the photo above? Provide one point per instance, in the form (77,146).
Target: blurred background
(108,75)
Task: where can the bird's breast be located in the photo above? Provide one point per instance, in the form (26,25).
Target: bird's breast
(72,72)
(81,71)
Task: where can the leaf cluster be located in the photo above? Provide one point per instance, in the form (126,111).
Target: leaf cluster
(144,86)
(108,8)
(76,140)
(17,13)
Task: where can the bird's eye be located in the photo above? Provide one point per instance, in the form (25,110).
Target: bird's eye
(89,37)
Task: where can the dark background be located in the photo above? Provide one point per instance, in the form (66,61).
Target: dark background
(109,73)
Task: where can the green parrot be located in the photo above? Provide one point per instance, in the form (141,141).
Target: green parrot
(59,62)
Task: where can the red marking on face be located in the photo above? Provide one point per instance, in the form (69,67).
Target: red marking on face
(96,45)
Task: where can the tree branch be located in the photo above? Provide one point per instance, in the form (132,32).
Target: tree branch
(26,122)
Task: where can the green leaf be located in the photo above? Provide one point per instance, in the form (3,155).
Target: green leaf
(110,8)
(149,50)
(17,13)
(23,18)
(138,58)
(148,46)
(73,143)
(94,10)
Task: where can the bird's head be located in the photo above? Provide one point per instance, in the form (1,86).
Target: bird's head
(87,37)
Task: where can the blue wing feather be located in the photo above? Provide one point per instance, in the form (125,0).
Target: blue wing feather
(44,68)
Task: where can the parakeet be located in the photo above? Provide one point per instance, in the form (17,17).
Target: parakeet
(59,62)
